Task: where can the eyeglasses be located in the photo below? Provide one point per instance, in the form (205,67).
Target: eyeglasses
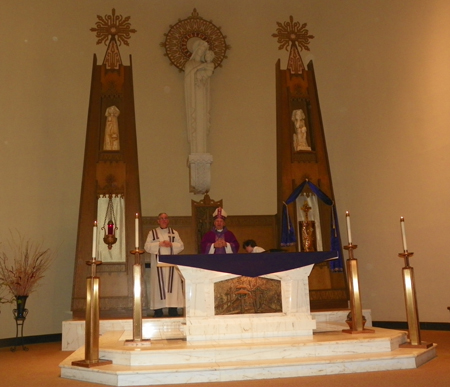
(163,218)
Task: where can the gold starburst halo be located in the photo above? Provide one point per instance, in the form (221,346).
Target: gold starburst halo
(177,40)
(292,32)
(115,26)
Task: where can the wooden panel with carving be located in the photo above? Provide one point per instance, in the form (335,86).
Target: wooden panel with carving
(107,172)
(301,159)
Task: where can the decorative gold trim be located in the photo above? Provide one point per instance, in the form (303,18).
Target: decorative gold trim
(114,26)
(294,35)
(176,43)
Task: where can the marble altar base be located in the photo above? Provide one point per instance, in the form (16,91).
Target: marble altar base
(182,361)
(203,324)
(73,331)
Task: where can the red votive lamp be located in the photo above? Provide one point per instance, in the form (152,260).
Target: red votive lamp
(110,228)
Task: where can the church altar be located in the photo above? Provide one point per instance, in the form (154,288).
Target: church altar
(201,272)
(217,348)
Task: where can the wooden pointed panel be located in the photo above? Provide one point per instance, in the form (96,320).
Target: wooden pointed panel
(108,171)
(299,92)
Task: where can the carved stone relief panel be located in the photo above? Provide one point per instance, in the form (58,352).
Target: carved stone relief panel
(243,295)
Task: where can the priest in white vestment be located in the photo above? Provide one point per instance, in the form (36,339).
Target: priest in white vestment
(166,284)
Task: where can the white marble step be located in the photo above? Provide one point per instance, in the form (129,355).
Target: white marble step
(73,331)
(181,352)
(279,362)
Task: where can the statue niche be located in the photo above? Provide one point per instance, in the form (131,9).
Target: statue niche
(303,138)
(300,131)
(111,141)
(307,231)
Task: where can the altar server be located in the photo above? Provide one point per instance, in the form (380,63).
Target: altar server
(166,284)
(219,240)
(250,247)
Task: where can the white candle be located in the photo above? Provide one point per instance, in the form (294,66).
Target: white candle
(402,225)
(137,230)
(94,241)
(349,231)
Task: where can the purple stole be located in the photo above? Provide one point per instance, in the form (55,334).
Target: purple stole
(219,235)
(159,270)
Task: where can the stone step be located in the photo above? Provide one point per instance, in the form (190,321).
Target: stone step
(197,368)
(73,331)
(161,352)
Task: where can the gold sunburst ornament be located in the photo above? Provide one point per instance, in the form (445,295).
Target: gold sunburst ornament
(296,35)
(180,36)
(116,26)
(113,30)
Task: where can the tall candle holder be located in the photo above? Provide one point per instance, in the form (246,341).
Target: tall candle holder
(19,317)
(409,289)
(412,313)
(137,340)
(92,324)
(356,323)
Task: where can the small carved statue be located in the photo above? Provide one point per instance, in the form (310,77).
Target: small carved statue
(111,141)
(300,142)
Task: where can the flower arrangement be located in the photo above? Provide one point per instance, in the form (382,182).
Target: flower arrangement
(4,299)
(28,263)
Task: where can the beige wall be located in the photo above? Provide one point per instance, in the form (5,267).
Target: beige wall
(383,79)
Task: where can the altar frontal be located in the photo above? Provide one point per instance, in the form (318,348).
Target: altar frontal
(202,272)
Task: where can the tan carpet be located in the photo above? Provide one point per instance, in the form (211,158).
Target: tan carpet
(39,367)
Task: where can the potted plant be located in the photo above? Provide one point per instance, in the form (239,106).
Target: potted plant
(5,299)
(22,267)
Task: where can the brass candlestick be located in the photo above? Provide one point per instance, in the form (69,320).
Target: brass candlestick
(137,305)
(356,323)
(412,313)
(92,324)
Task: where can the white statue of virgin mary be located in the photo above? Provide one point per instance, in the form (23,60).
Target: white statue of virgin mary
(197,74)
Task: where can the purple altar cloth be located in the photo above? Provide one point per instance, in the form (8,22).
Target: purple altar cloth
(249,265)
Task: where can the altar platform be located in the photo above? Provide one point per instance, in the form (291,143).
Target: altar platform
(73,331)
(179,361)
(200,322)
(204,346)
